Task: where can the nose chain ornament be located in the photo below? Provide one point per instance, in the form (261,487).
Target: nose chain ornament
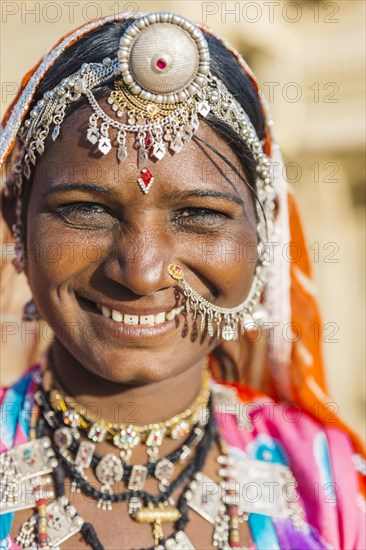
(225,323)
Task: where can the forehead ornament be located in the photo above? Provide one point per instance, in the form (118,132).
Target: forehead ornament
(162,84)
(159,75)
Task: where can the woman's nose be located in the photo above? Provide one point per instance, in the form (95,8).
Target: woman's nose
(139,262)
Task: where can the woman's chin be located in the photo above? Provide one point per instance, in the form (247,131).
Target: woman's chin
(137,367)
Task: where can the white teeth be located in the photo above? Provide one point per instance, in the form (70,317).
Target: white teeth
(117,316)
(142,319)
(106,312)
(131,319)
(159,317)
(171,314)
(146,319)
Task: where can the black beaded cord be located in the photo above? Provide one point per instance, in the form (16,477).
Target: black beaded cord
(59,476)
(195,466)
(90,536)
(127,469)
(122,497)
(199,462)
(187,472)
(88,530)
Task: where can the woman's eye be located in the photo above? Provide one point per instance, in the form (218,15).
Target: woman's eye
(198,215)
(83,212)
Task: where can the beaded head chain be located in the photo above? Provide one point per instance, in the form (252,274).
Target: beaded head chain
(162,86)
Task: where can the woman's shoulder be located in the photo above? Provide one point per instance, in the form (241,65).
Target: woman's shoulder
(321,458)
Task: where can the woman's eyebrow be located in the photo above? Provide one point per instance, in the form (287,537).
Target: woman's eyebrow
(88,187)
(211,193)
(176,195)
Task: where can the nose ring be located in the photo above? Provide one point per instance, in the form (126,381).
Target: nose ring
(227,323)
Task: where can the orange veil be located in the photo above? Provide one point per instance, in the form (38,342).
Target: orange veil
(291,356)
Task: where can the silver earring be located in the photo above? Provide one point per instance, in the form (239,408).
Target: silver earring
(17,230)
(225,322)
(19,259)
(30,312)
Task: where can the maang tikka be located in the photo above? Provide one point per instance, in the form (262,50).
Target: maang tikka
(162,86)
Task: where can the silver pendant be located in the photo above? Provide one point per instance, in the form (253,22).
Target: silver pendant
(159,150)
(104,145)
(137,478)
(62,523)
(134,504)
(143,156)
(163,472)
(262,487)
(109,471)
(21,494)
(63,438)
(179,542)
(55,132)
(84,455)
(28,460)
(83,460)
(121,153)
(92,135)
(177,144)
(153,442)
(204,497)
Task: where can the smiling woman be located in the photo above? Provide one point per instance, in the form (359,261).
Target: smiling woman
(140,151)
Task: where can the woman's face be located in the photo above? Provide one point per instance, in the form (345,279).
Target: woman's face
(94,239)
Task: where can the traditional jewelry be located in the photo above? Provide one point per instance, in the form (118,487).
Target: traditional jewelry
(110,469)
(30,312)
(226,323)
(125,436)
(62,523)
(225,506)
(154,94)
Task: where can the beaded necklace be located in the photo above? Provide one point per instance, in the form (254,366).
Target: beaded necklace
(60,440)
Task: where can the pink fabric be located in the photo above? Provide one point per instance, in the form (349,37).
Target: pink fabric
(328,490)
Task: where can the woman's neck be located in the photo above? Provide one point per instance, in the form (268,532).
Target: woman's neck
(126,403)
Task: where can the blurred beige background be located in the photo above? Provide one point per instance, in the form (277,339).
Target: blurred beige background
(309,57)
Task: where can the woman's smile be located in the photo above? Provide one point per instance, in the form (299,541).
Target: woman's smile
(142,319)
(126,323)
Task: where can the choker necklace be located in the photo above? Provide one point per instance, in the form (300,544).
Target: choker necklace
(126,436)
(68,440)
